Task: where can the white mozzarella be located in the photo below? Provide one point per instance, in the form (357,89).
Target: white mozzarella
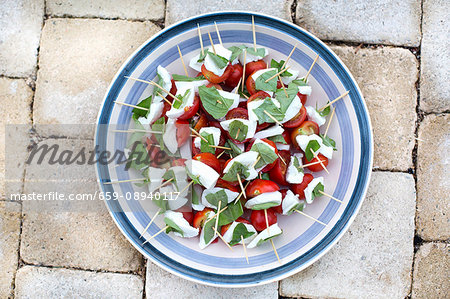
(260,72)
(272,131)
(250,57)
(207,175)
(294,176)
(287,80)
(306,90)
(165,76)
(228,236)
(268,197)
(197,192)
(314,115)
(230,196)
(155,178)
(271,231)
(303,140)
(281,147)
(208,130)
(231,96)
(247,159)
(211,66)
(178,219)
(309,189)
(293,109)
(170,136)
(290,201)
(177,112)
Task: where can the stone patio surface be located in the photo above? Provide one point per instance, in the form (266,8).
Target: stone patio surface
(57,58)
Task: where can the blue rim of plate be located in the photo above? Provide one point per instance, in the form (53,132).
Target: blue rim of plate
(338,229)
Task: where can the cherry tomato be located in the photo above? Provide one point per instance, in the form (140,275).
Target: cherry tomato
(224,228)
(237,113)
(173,90)
(195,150)
(262,126)
(251,85)
(316,167)
(303,97)
(178,162)
(200,218)
(213,78)
(272,144)
(217,86)
(278,172)
(191,110)
(209,159)
(258,219)
(254,66)
(183,131)
(296,120)
(279,209)
(260,95)
(258,186)
(306,128)
(189,216)
(201,122)
(287,137)
(300,188)
(235,75)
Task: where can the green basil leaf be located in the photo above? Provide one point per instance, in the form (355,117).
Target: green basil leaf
(325,111)
(138,158)
(216,105)
(284,101)
(300,82)
(186,78)
(170,174)
(145,103)
(160,83)
(233,212)
(208,230)
(260,52)
(314,145)
(235,51)
(270,108)
(204,146)
(172,226)
(328,141)
(316,192)
(277,139)
(297,165)
(194,178)
(261,84)
(159,126)
(161,203)
(181,99)
(219,61)
(264,240)
(231,175)
(202,56)
(265,176)
(278,66)
(136,136)
(215,198)
(238,130)
(264,206)
(240,230)
(266,153)
(235,150)
(195,197)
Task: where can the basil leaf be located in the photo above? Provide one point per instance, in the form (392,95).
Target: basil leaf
(138,158)
(216,105)
(264,206)
(260,52)
(261,84)
(195,197)
(231,175)
(235,51)
(170,174)
(172,226)
(160,83)
(145,103)
(181,99)
(136,136)
(240,230)
(267,239)
(233,212)
(194,178)
(235,150)
(325,111)
(314,145)
(238,130)
(201,57)
(146,181)
(278,66)
(266,153)
(186,78)
(204,146)
(219,61)
(159,126)
(215,198)
(316,192)
(161,203)
(328,141)
(284,101)
(297,165)
(265,176)
(270,108)
(300,82)
(208,230)
(277,139)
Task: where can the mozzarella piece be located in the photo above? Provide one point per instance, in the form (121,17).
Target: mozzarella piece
(183,85)
(271,231)
(170,136)
(228,236)
(178,219)
(287,80)
(207,175)
(211,66)
(308,190)
(306,90)
(165,76)
(250,57)
(260,72)
(303,140)
(188,102)
(291,201)
(193,63)
(208,130)
(230,196)
(293,109)
(272,131)
(314,115)
(293,175)
(247,159)
(202,243)
(268,197)
(231,96)
(281,146)
(251,126)
(155,178)
(197,192)
(185,151)
(181,179)
(251,106)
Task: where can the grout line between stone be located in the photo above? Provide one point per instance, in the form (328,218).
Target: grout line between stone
(66,16)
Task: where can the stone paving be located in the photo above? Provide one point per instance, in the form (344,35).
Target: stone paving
(57,58)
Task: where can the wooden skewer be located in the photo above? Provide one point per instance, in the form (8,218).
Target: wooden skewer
(320,161)
(200,38)
(243,71)
(245,249)
(329,121)
(217,218)
(162,229)
(187,186)
(282,159)
(212,44)
(311,164)
(310,217)
(335,100)
(273,118)
(275,250)
(256,162)
(182,61)
(267,220)
(152,83)
(218,34)
(289,57)
(243,191)
(328,195)
(219,155)
(311,67)
(150,223)
(165,99)
(125,181)
(279,73)
(221,211)
(271,241)
(245,96)
(198,134)
(221,147)
(130,105)
(238,85)
(284,87)
(164,184)
(242,186)
(254,32)
(221,238)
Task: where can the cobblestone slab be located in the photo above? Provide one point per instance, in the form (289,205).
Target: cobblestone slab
(382,21)
(79,234)
(15,100)
(433,173)
(9,245)
(41,282)
(180,10)
(431,271)
(130,9)
(20,28)
(435,55)
(161,284)
(390,94)
(374,258)
(78,59)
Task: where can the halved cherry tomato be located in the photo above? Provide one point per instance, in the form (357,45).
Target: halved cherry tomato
(279,209)
(217,86)
(260,95)
(254,66)
(303,97)
(316,167)
(278,172)
(183,131)
(191,110)
(272,144)
(258,186)
(237,113)
(209,159)
(189,216)
(173,90)
(306,128)
(258,219)
(224,228)
(251,85)
(213,78)
(300,188)
(235,75)
(201,122)
(262,126)
(296,120)
(287,137)
(200,218)
(227,185)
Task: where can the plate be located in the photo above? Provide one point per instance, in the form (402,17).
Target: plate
(303,240)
